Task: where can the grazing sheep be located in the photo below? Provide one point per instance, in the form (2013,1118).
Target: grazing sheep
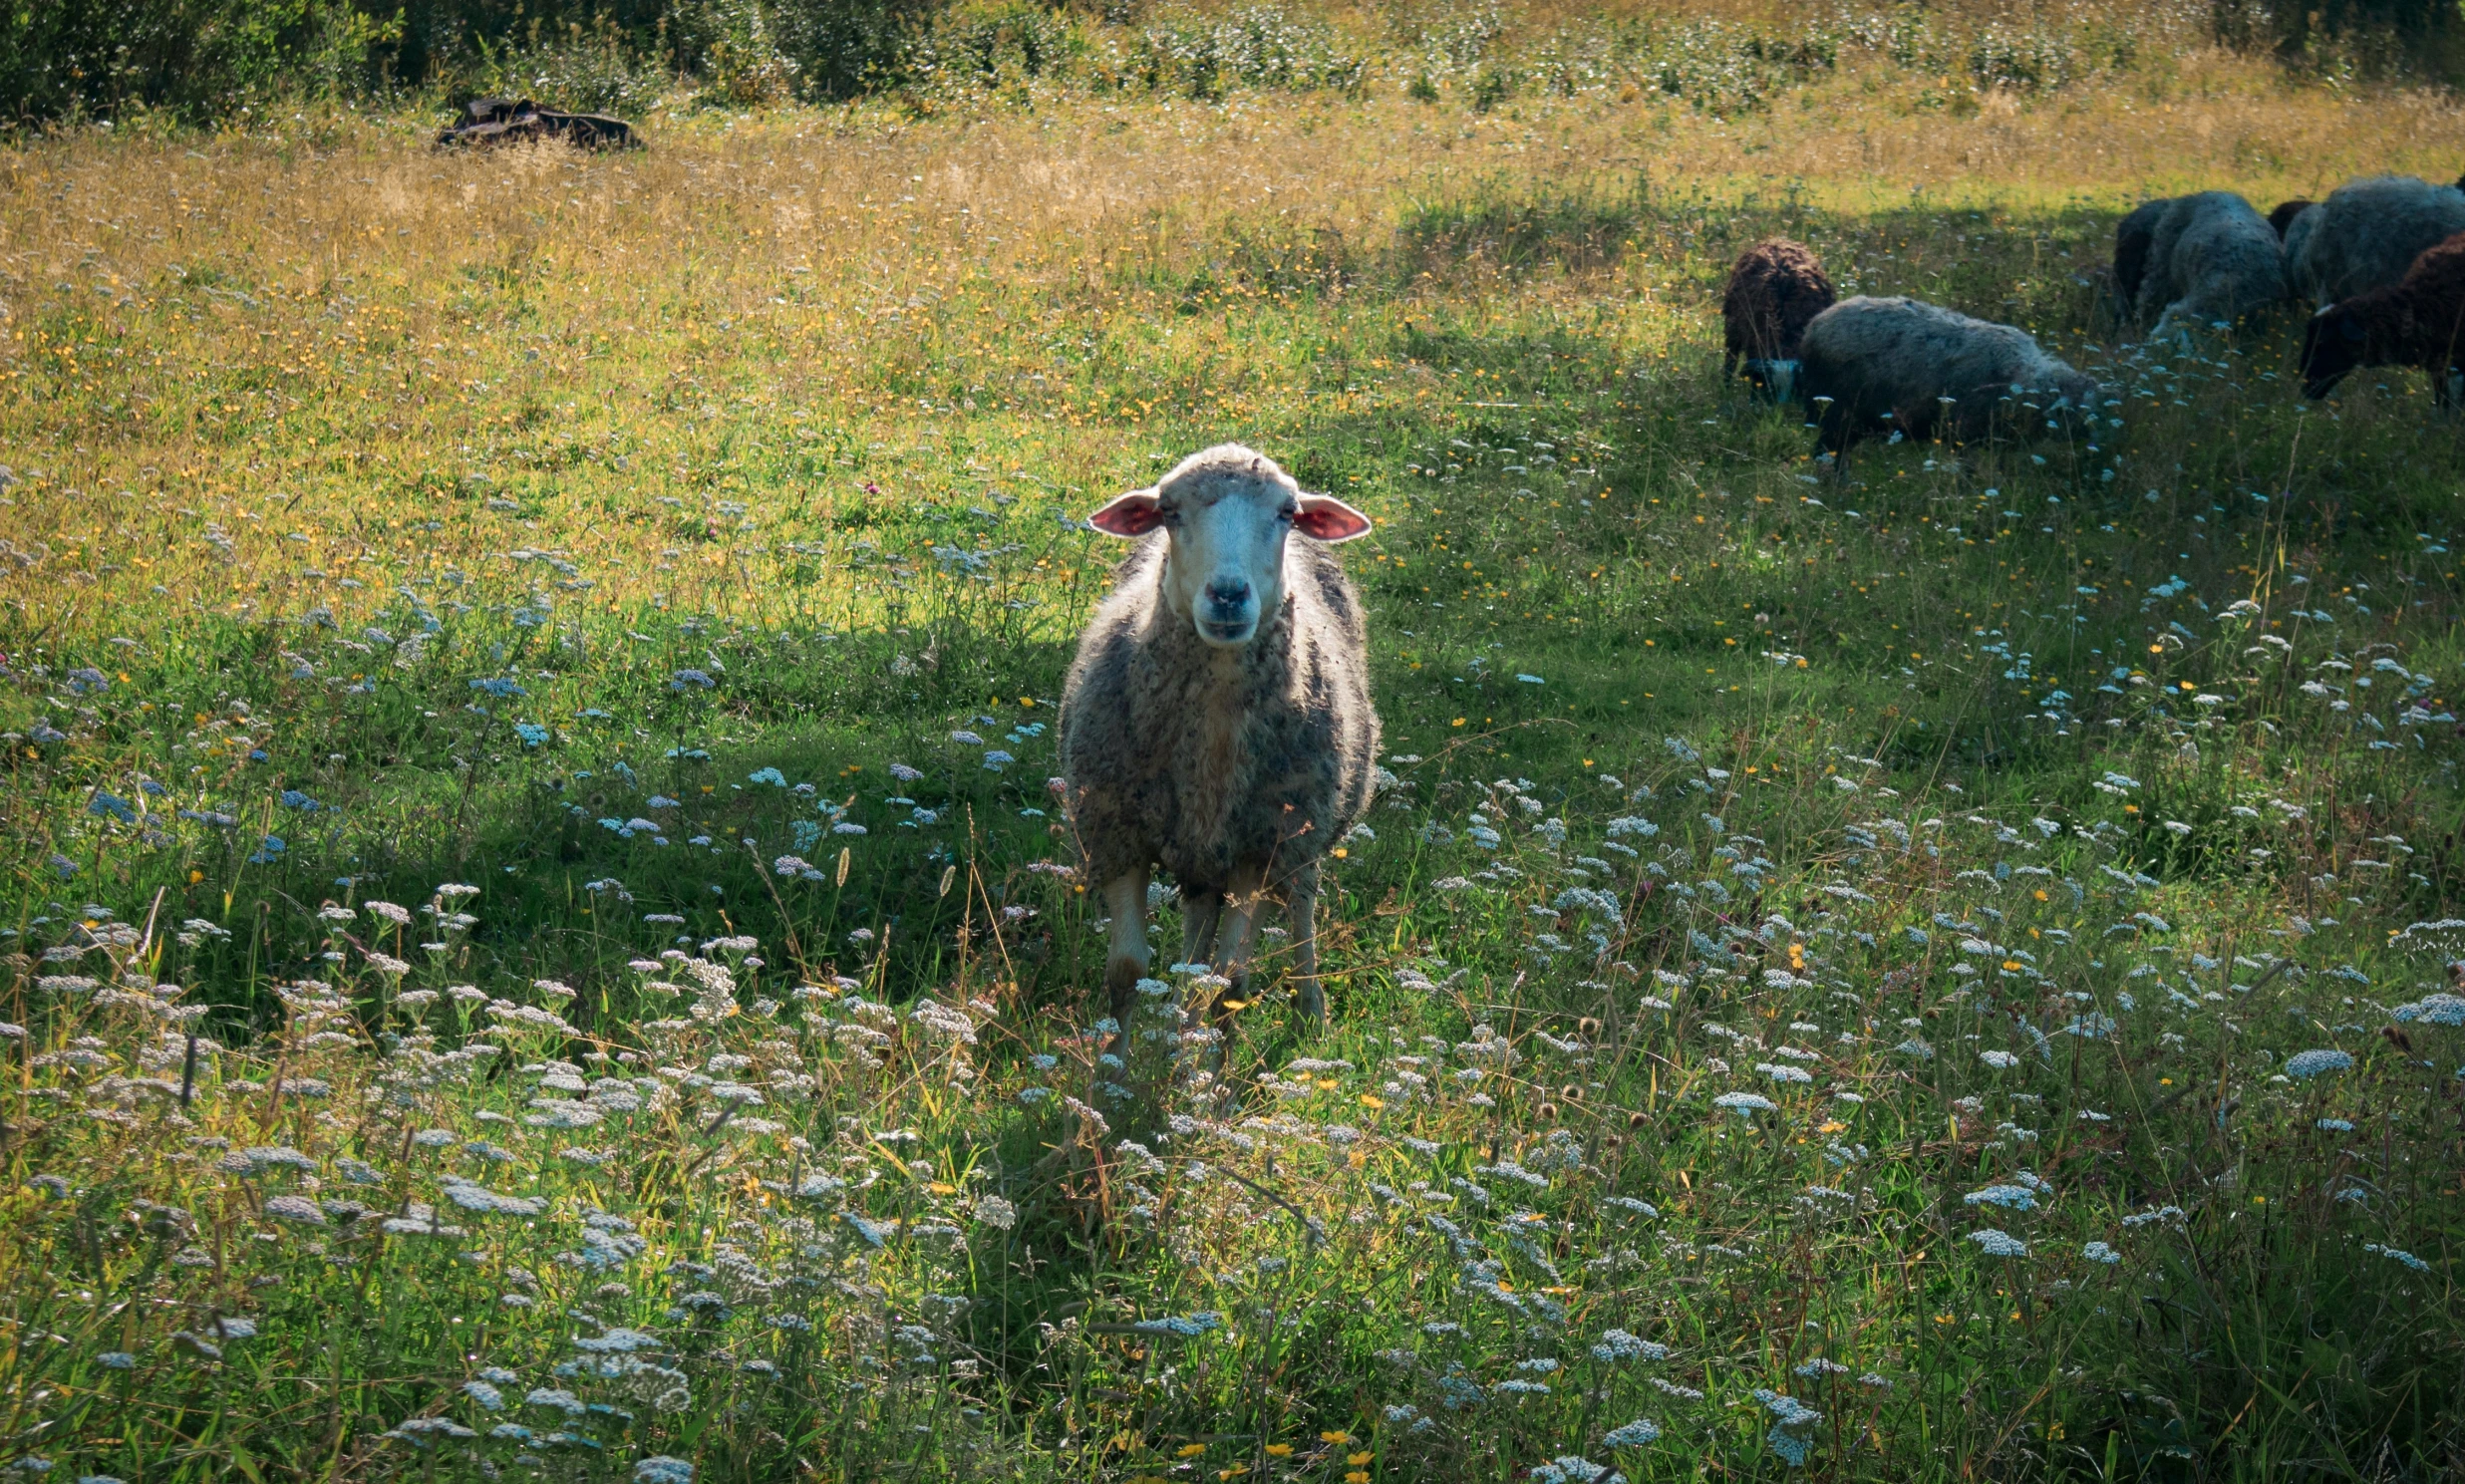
(2367,234)
(2417,321)
(1775,288)
(1929,372)
(2210,257)
(2280,215)
(2133,237)
(2298,229)
(1217,719)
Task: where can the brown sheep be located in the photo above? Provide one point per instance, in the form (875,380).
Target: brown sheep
(1775,290)
(2417,321)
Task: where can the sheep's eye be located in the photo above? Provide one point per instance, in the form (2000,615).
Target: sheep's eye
(1288,515)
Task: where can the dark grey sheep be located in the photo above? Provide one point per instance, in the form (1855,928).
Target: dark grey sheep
(2367,234)
(2211,258)
(1877,365)
(1217,720)
(2298,229)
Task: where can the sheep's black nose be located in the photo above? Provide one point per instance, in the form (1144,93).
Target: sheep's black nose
(1229,594)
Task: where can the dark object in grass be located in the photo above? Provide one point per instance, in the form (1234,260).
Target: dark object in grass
(2417,321)
(2133,236)
(1776,288)
(2280,215)
(491,122)
(1921,371)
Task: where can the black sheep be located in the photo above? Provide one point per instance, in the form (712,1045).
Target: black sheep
(1775,290)
(2417,321)
(2135,235)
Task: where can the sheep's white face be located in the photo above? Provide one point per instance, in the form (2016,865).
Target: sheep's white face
(1227,513)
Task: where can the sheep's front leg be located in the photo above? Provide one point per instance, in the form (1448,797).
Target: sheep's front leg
(1302,908)
(1126,961)
(1235,940)
(1199,916)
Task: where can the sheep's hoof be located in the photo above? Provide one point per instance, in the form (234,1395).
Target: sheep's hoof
(1122,978)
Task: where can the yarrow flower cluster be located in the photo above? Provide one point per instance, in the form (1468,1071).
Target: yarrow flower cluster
(2306,1065)
(1618,1344)
(1792,1437)
(1999,1243)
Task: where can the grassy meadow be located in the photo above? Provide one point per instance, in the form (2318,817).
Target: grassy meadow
(539,946)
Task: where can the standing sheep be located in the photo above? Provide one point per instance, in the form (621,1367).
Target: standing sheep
(1929,372)
(2210,258)
(2417,321)
(1217,719)
(2367,234)
(1776,288)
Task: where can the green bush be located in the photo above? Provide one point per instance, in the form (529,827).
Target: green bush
(1260,46)
(205,60)
(595,69)
(986,43)
(195,59)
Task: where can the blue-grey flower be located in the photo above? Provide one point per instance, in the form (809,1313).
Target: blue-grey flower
(2009,1197)
(2315,1062)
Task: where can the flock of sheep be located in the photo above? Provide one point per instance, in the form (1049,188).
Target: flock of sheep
(2382,262)
(1218,722)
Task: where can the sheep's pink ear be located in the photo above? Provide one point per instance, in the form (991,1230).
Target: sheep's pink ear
(1131,514)
(1323,518)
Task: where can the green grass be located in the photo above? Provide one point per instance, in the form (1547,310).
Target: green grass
(825,447)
